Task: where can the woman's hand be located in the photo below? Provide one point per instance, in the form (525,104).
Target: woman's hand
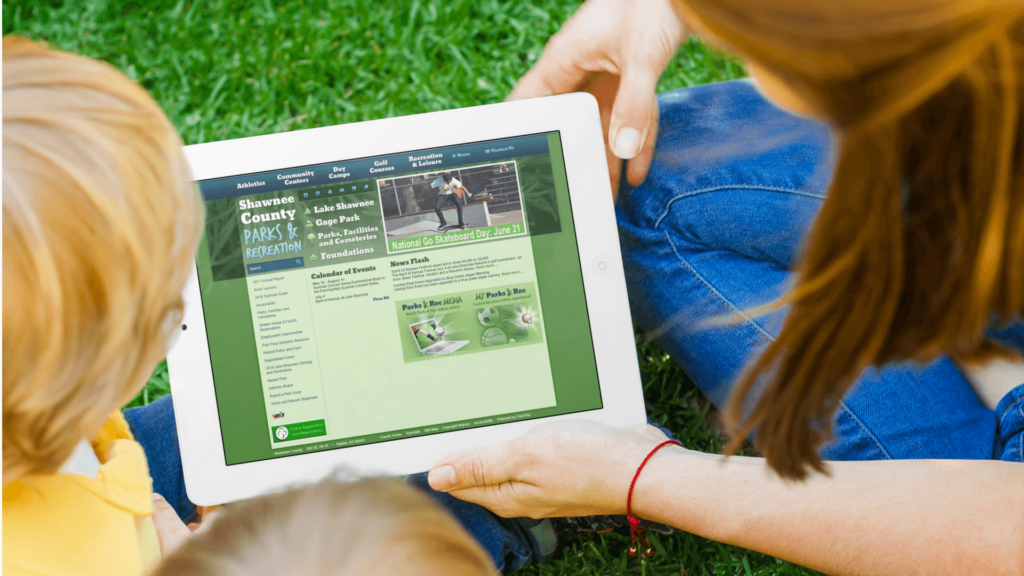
(567,468)
(615,50)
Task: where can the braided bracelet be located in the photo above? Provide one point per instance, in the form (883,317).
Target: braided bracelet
(635,532)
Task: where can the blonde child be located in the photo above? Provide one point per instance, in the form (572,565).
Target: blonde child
(100,222)
(373,526)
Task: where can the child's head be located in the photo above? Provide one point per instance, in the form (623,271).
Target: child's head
(447,176)
(100,222)
(373,526)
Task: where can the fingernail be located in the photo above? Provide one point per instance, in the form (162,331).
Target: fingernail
(627,143)
(157,497)
(443,478)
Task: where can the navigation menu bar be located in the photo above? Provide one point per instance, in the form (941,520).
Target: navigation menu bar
(338,173)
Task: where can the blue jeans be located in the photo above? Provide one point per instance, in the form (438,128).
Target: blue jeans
(715,230)
(154,427)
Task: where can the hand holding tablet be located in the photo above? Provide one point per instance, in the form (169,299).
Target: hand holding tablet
(335,323)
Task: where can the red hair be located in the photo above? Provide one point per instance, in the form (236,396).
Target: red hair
(920,245)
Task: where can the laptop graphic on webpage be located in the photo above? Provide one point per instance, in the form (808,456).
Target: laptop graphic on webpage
(430,339)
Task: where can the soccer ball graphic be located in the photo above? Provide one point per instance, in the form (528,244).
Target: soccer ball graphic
(488,316)
(527,318)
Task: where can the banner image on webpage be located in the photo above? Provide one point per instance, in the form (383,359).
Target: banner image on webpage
(458,205)
(462,323)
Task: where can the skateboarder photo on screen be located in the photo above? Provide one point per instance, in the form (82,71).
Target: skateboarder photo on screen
(449,190)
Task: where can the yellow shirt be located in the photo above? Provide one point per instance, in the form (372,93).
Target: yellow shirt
(68,524)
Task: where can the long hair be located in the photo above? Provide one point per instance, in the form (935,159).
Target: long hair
(100,224)
(919,246)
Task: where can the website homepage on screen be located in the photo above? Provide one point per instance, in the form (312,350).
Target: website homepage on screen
(389,297)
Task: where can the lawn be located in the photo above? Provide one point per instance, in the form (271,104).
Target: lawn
(231,69)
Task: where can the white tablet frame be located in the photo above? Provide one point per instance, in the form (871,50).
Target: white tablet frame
(209,480)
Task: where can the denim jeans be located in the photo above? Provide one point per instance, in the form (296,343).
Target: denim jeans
(154,427)
(715,230)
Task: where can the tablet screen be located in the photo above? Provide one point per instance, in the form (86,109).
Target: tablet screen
(374,299)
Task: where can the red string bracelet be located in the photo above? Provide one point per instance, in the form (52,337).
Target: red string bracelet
(635,532)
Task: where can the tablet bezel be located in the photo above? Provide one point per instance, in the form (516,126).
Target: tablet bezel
(575,117)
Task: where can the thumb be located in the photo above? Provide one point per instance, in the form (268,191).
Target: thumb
(170,530)
(471,469)
(634,119)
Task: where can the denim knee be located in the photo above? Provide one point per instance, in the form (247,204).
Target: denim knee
(726,162)
(1010,412)
(726,135)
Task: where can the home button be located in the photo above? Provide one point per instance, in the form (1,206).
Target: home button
(602,266)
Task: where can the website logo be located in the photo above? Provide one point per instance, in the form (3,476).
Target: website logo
(278,415)
(281,433)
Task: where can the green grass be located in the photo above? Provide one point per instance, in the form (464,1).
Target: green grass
(225,69)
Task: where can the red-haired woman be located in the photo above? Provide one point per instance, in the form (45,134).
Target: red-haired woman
(846,281)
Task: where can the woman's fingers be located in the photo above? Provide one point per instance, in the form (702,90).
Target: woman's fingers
(603,86)
(635,112)
(471,469)
(443,478)
(556,72)
(170,530)
(503,499)
(630,40)
(471,477)
(634,122)
(560,77)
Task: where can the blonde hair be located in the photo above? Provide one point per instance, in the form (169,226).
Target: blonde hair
(373,526)
(100,222)
(920,245)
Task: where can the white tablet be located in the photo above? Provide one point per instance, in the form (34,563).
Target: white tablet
(378,295)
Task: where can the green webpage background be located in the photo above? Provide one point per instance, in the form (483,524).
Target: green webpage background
(329,350)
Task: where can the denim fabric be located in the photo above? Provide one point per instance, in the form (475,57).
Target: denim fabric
(1011,336)
(1010,412)
(153,426)
(716,229)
